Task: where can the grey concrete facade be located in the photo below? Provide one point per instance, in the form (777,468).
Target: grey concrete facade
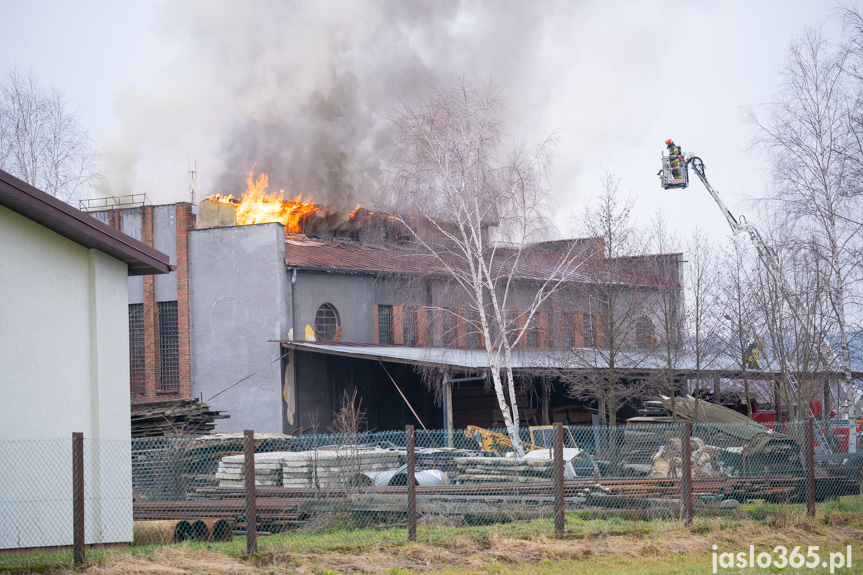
(239,299)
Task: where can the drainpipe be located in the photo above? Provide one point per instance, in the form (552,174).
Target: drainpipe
(293,354)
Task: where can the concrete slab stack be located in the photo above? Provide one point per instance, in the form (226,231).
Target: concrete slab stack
(268,470)
(328,469)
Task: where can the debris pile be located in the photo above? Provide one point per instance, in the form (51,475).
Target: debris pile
(173,418)
(706,460)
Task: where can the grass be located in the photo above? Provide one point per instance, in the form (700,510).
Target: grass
(612,545)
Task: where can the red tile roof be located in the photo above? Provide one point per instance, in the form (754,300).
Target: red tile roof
(351,256)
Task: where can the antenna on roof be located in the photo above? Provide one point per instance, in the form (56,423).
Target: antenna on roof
(193,175)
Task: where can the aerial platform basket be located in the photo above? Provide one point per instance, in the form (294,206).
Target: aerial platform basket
(674,176)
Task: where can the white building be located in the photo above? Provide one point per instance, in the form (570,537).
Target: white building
(64,367)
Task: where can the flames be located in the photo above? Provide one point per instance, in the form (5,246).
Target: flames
(258,206)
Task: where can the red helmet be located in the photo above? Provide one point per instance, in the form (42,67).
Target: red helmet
(669,141)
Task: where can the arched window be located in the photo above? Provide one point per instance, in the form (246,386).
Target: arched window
(327,325)
(645,335)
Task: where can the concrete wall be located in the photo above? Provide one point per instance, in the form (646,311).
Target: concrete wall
(351,295)
(239,299)
(65,368)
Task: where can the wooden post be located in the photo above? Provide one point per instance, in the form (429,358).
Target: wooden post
(78,498)
(686,479)
(545,418)
(557,470)
(410,439)
(809,457)
(251,492)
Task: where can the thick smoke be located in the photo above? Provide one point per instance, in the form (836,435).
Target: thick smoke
(303,90)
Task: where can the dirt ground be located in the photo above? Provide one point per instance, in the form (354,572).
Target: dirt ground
(497,554)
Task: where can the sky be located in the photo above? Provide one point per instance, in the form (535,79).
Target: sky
(303,90)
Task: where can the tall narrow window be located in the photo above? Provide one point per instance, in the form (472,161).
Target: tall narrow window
(385,323)
(136,348)
(169,347)
(567,333)
(410,325)
(644,333)
(588,330)
(448,333)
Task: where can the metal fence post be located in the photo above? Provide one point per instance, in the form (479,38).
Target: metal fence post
(78,498)
(686,479)
(809,456)
(410,440)
(251,493)
(559,517)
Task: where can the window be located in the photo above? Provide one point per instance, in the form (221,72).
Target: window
(567,333)
(532,336)
(169,347)
(327,324)
(136,348)
(644,333)
(448,334)
(410,325)
(588,330)
(385,323)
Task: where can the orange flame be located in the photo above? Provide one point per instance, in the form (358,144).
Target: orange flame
(257,206)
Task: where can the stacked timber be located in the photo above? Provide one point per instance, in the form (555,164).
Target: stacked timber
(175,417)
(324,469)
(502,470)
(268,470)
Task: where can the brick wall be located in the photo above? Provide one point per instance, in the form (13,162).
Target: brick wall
(151,334)
(185,222)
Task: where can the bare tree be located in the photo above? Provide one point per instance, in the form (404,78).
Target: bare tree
(41,142)
(739,309)
(703,309)
(474,208)
(811,142)
(616,305)
(668,310)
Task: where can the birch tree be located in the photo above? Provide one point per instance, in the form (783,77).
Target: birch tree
(811,141)
(41,142)
(473,208)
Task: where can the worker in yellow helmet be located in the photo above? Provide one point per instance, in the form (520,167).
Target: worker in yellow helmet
(675,156)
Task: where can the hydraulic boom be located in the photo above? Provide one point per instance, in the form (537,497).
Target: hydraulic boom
(846,407)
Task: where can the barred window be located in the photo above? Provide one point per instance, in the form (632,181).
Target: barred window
(472,335)
(410,325)
(448,333)
(567,331)
(588,330)
(531,334)
(385,323)
(169,347)
(327,323)
(644,333)
(136,348)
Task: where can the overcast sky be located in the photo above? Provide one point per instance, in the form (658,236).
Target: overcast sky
(304,89)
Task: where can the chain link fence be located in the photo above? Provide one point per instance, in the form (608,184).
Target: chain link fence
(334,491)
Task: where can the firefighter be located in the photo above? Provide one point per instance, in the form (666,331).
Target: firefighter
(674,157)
(750,356)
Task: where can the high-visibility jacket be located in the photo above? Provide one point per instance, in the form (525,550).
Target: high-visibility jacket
(674,155)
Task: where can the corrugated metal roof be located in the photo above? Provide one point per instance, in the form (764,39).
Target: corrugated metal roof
(81,228)
(336,254)
(635,362)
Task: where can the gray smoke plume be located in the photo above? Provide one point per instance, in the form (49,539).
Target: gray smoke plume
(303,90)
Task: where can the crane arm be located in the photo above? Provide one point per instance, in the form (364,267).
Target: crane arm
(771,261)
